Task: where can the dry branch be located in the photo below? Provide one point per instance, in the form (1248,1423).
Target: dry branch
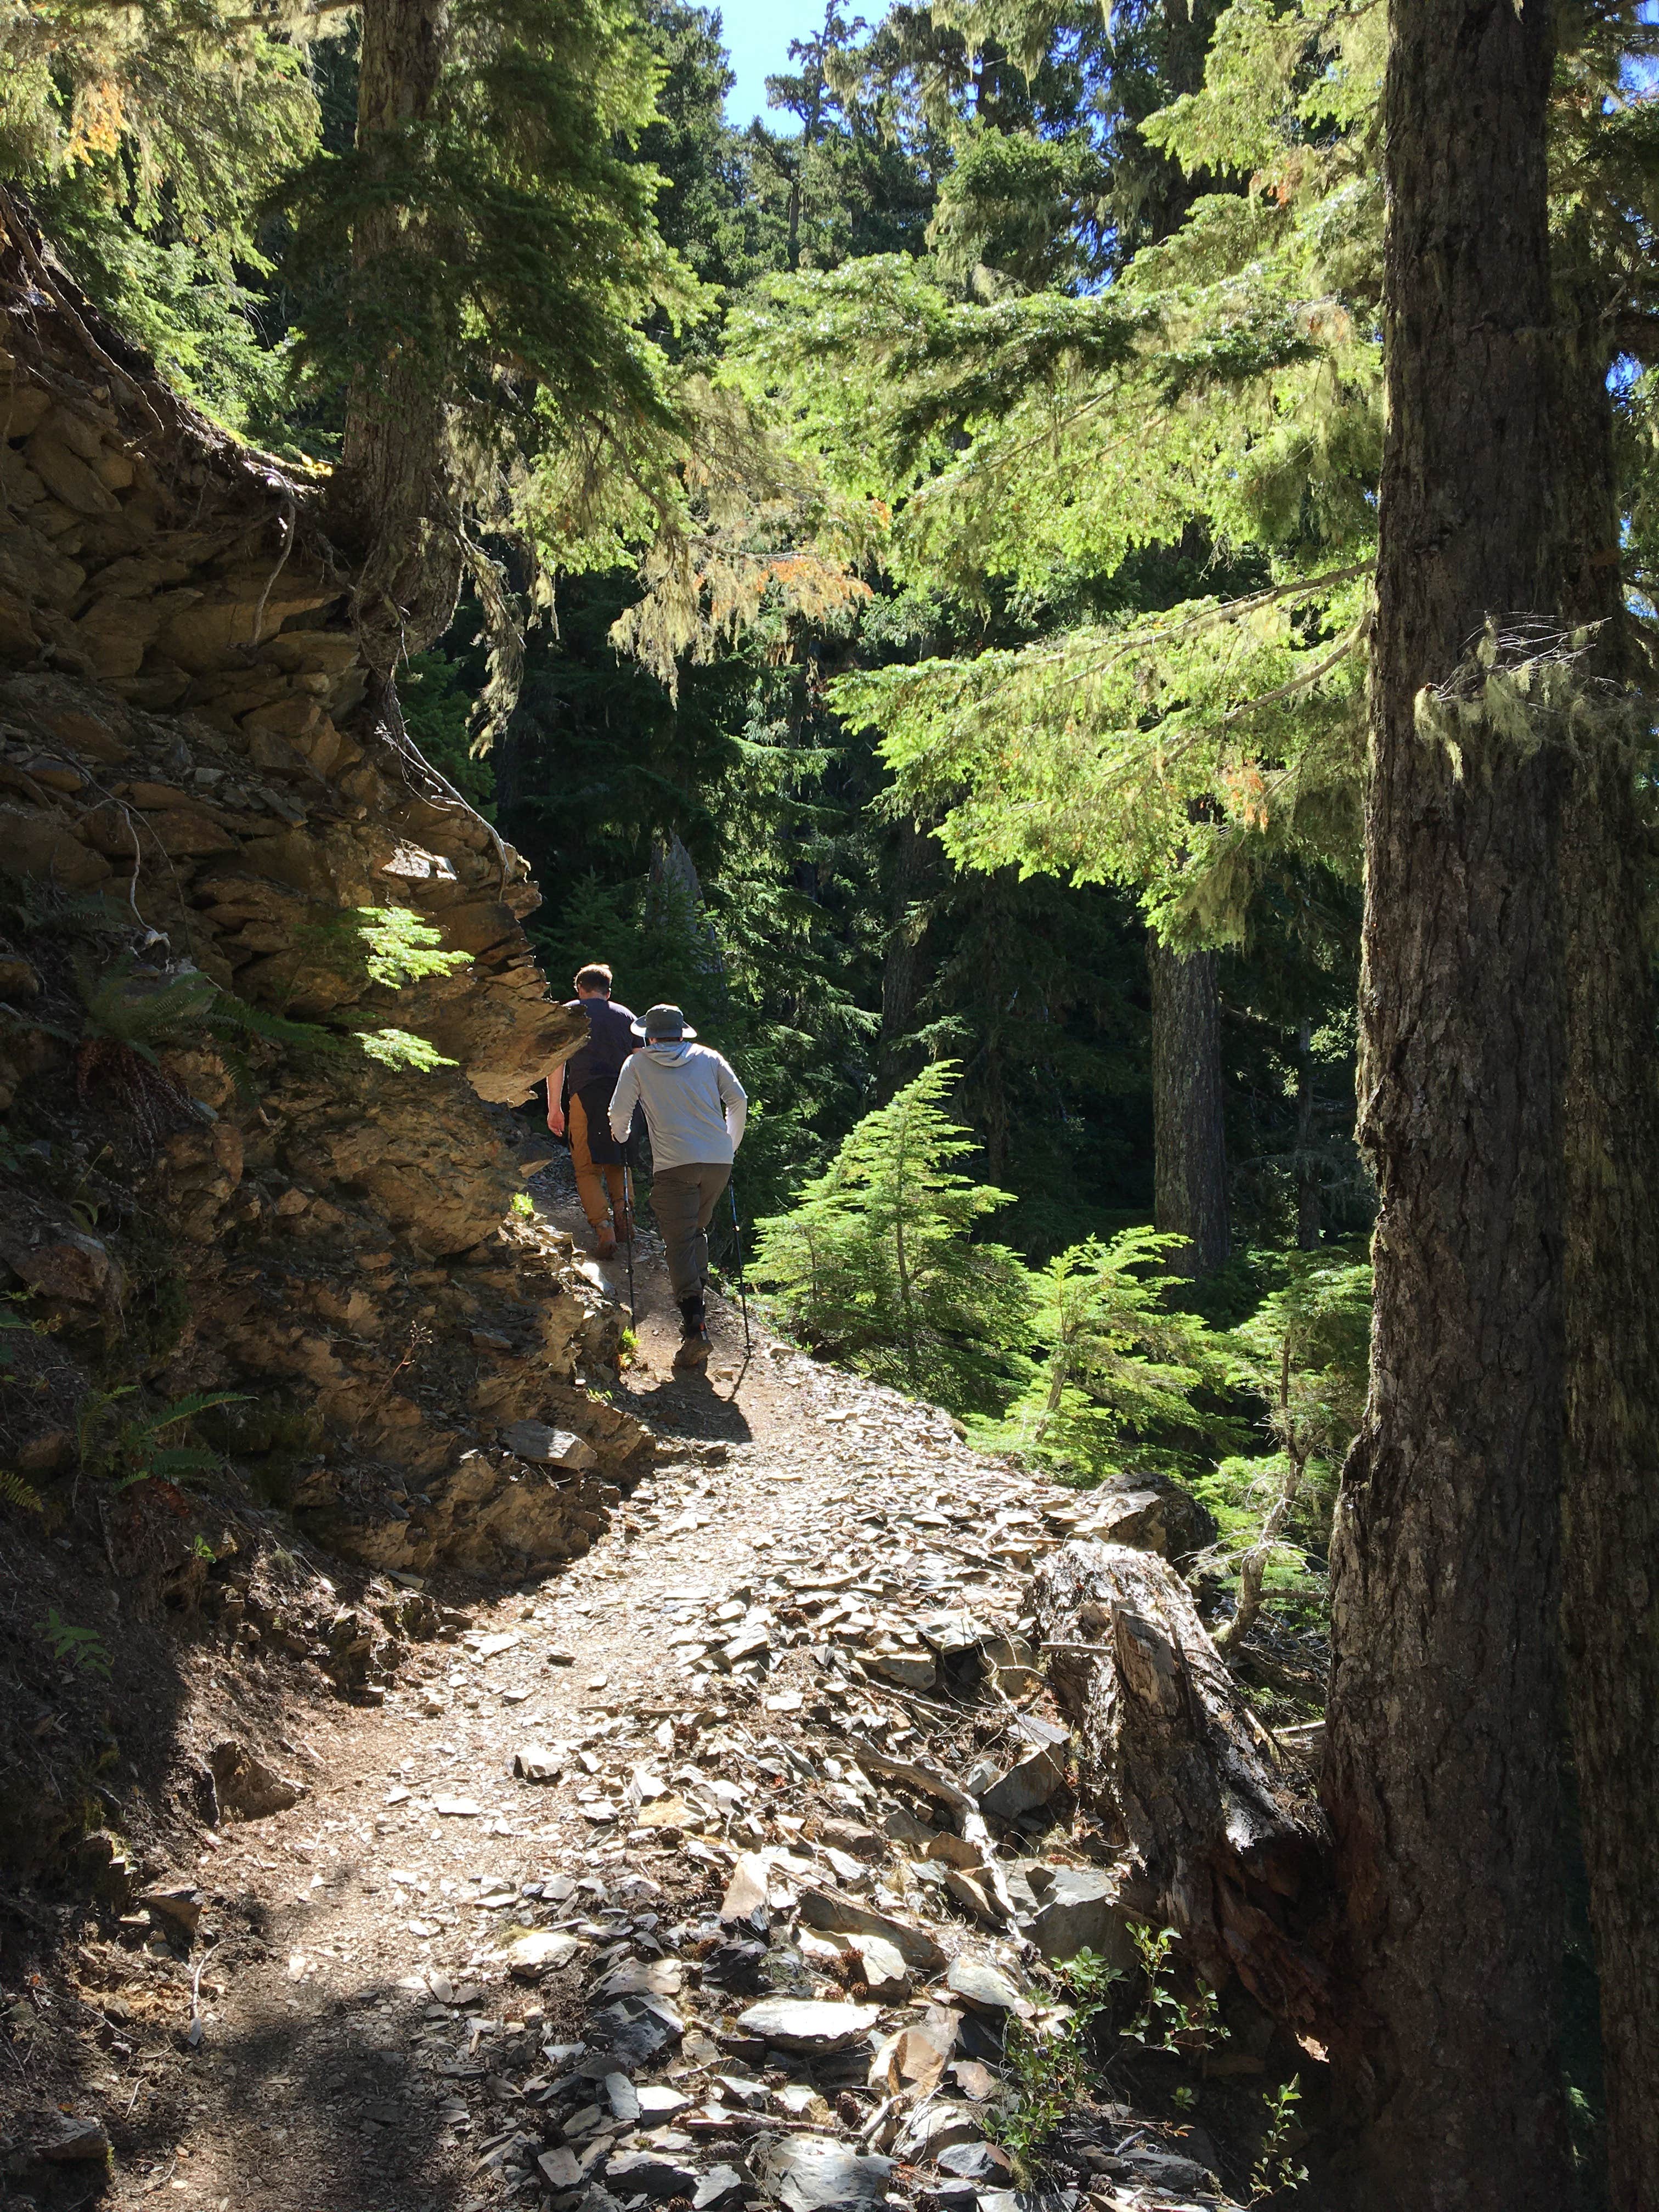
(1225,1849)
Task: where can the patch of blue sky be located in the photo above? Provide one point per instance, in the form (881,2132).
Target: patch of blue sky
(757,35)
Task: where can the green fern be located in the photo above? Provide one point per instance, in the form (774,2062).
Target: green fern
(390,945)
(82,1648)
(232,1016)
(37,907)
(13,1490)
(132,1013)
(136,1008)
(18,1324)
(402,1048)
(123,1450)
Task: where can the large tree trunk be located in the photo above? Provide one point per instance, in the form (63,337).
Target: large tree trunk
(1441,1772)
(1611,1126)
(1226,1846)
(1190,1138)
(900,967)
(1308,1234)
(391,502)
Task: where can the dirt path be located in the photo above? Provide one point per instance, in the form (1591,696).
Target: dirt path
(693,1688)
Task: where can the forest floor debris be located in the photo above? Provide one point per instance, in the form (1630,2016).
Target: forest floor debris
(727,1865)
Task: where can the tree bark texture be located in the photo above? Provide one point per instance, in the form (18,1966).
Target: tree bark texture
(1189,1137)
(1227,1847)
(901,971)
(1441,1766)
(1308,1234)
(1611,1122)
(391,502)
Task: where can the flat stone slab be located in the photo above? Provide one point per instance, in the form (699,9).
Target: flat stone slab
(639,1978)
(985,1988)
(910,1670)
(835,1913)
(1080,1911)
(885,1975)
(649,2174)
(1025,1788)
(532,1956)
(745,1894)
(548,1447)
(721,2186)
(534,1762)
(810,2173)
(806,2025)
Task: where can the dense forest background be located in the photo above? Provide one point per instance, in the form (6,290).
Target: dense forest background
(729,839)
(1081,606)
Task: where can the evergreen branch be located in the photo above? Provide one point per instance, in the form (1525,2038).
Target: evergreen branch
(1225,612)
(1047,435)
(1303,682)
(22,231)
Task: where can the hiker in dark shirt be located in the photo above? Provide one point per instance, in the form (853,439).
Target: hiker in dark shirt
(578,1095)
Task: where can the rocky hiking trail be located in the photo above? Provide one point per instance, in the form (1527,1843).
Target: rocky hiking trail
(502,1779)
(710,1868)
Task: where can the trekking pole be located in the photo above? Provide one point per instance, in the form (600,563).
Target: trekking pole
(743,1288)
(627,1201)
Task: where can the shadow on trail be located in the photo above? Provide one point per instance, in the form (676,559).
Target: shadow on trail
(691,1405)
(350,2108)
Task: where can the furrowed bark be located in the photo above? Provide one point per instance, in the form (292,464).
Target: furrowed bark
(1611,1131)
(1307,1166)
(391,502)
(900,976)
(1190,1138)
(1441,1767)
(1228,1846)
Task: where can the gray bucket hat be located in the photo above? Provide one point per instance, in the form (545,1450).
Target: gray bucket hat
(663,1025)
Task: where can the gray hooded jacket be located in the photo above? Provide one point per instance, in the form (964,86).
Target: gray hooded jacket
(693,1105)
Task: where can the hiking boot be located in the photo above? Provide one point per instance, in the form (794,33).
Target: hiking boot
(605,1245)
(693,1335)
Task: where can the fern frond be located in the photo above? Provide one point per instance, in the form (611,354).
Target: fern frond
(233,1016)
(129,1004)
(198,1401)
(169,1466)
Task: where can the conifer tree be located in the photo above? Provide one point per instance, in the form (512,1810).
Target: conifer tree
(944,388)
(1305,1351)
(149,139)
(1118,1363)
(1611,1127)
(876,1264)
(1441,1762)
(503,256)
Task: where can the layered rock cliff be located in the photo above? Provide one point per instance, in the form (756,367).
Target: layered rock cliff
(265,998)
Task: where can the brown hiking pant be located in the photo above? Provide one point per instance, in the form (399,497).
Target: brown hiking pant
(684,1200)
(594,1183)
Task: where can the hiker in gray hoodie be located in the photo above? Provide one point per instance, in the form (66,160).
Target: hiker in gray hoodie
(694,1109)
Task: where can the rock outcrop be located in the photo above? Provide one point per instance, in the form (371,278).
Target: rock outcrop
(265,994)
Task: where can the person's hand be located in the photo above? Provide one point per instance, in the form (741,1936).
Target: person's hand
(555,1120)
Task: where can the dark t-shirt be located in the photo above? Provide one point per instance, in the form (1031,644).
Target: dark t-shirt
(609,1040)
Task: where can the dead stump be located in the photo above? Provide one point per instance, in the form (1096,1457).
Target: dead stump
(1227,1845)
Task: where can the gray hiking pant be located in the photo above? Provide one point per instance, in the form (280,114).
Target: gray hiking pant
(684,1200)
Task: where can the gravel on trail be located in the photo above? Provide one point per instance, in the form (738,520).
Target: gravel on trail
(670,1880)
